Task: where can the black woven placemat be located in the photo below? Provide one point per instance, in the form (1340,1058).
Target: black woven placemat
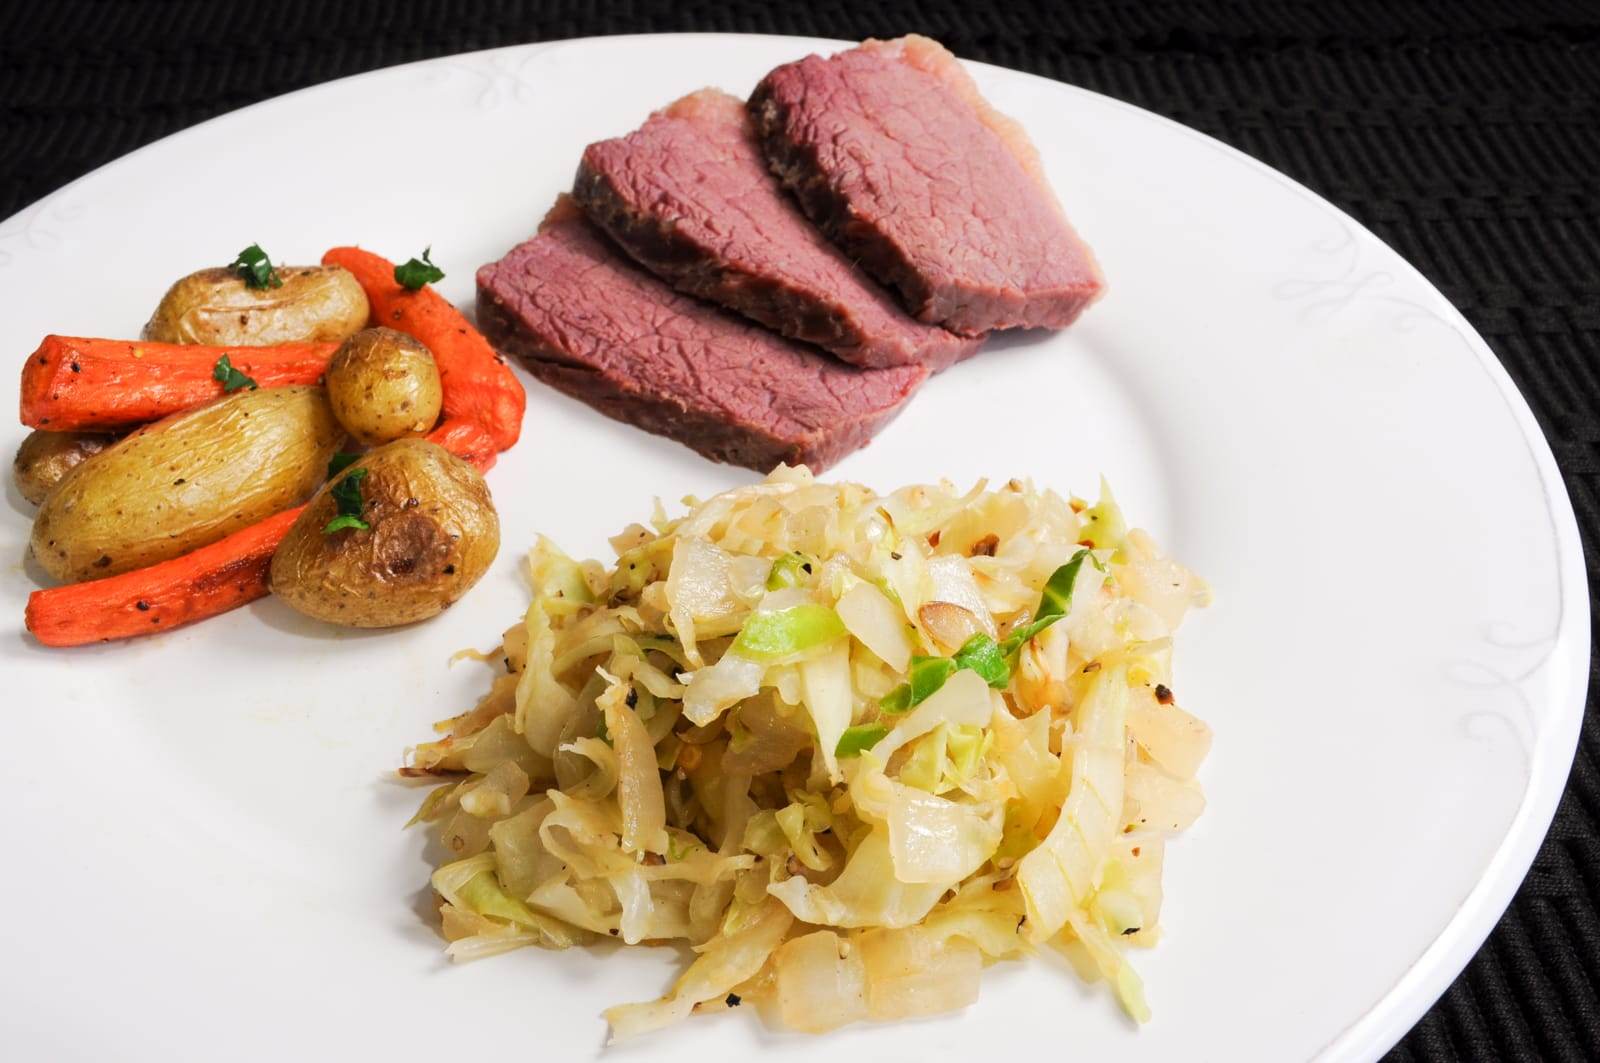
(1466,134)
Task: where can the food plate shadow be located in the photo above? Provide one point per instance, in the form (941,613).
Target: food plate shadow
(1011,339)
(19,505)
(276,614)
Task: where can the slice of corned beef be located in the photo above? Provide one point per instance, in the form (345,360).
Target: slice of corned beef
(587,321)
(894,154)
(690,197)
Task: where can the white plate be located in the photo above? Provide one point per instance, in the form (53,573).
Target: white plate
(206,858)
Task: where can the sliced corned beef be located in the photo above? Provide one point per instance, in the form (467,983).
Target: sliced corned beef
(892,151)
(690,197)
(588,321)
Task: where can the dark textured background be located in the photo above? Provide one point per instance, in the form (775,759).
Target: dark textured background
(1465,134)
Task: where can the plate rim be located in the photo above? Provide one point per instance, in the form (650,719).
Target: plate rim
(1549,762)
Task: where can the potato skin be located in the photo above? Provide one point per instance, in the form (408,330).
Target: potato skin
(44,459)
(433,533)
(186,481)
(384,386)
(215,306)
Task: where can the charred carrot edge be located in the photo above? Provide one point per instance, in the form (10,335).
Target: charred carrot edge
(467,440)
(478,385)
(73,384)
(202,583)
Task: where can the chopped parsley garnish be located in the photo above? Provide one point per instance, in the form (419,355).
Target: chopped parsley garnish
(416,272)
(347,496)
(230,378)
(340,462)
(256,268)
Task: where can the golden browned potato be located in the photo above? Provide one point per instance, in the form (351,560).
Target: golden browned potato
(44,458)
(384,386)
(312,304)
(185,481)
(431,532)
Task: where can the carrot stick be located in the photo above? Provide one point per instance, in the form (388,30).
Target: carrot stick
(202,583)
(478,385)
(160,597)
(73,384)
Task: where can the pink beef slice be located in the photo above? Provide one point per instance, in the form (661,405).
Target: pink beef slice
(587,321)
(894,154)
(690,197)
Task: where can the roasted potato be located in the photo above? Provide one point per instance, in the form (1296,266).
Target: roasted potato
(431,533)
(384,386)
(185,481)
(313,303)
(45,458)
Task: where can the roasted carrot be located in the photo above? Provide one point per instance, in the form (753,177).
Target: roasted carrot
(467,440)
(159,597)
(478,385)
(74,384)
(202,583)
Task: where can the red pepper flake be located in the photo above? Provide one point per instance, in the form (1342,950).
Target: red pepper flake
(1163,693)
(985,547)
(1086,542)
(933,538)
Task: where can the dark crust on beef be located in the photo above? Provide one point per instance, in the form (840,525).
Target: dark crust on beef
(967,236)
(588,322)
(689,196)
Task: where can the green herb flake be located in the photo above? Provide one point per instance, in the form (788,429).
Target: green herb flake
(790,570)
(416,272)
(1053,603)
(340,462)
(985,656)
(860,738)
(924,678)
(347,495)
(343,521)
(230,378)
(256,268)
(982,654)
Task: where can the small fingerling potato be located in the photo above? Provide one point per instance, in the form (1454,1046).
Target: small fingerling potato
(384,386)
(44,459)
(186,481)
(412,534)
(321,304)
